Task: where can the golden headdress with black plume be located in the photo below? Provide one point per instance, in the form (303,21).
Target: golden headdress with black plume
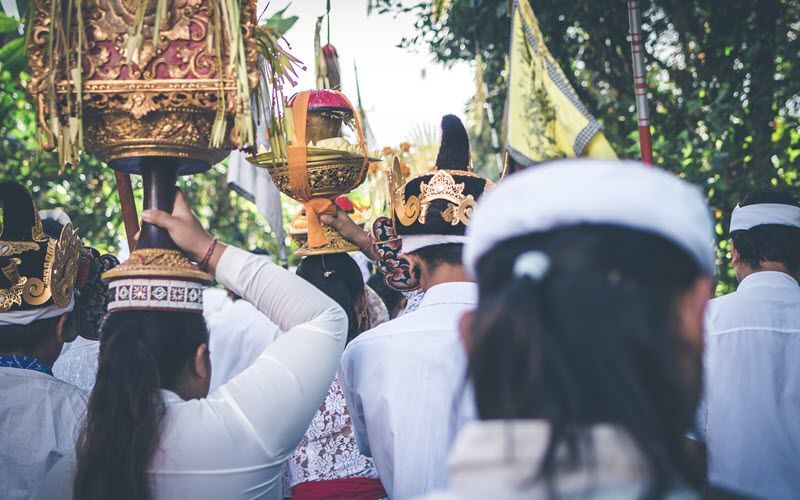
(435,207)
(37,272)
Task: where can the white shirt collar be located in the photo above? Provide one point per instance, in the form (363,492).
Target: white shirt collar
(170,397)
(456,292)
(772,279)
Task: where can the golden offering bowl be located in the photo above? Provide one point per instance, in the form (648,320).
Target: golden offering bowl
(328,178)
(336,244)
(325,180)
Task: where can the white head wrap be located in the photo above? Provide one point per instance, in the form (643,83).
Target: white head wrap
(581,191)
(414,242)
(750,216)
(28,316)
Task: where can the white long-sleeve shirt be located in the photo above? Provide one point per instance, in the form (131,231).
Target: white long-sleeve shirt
(232,443)
(238,334)
(752,415)
(40,417)
(404,382)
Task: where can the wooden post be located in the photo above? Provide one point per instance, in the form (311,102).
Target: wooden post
(640,81)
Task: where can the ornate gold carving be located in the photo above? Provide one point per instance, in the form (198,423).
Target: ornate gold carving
(180,74)
(336,244)
(442,186)
(31,290)
(35,292)
(465,210)
(328,180)
(38,291)
(37,231)
(177,133)
(408,213)
(65,266)
(10,297)
(158,262)
(8,248)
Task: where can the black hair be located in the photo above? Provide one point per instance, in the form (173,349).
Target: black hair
(338,276)
(26,338)
(390,297)
(594,341)
(769,242)
(140,353)
(444,253)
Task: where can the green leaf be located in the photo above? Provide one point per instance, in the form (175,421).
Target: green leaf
(8,24)
(12,49)
(279,23)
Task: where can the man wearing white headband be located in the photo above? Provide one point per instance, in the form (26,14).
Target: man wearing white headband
(752,419)
(404,379)
(39,414)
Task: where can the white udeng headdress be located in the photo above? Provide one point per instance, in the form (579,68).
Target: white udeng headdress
(750,216)
(581,191)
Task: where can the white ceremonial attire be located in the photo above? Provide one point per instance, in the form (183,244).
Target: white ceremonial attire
(78,364)
(499,459)
(404,383)
(238,334)
(40,417)
(752,414)
(232,443)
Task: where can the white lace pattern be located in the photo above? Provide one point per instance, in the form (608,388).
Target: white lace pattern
(329,450)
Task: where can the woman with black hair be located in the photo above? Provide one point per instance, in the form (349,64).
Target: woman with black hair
(327,464)
(152,431)
(585,351)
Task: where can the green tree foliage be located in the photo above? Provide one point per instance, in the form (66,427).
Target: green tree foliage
(724,80)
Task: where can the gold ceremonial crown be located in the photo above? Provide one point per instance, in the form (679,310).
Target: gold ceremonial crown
(34,271)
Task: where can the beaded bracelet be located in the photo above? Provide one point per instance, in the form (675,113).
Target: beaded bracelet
(370,243)
(203,263)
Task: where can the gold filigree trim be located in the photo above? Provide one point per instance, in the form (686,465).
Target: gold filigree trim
(9,248)
(65,266)
(158,262)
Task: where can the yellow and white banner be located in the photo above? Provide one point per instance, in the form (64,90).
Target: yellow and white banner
(544,117)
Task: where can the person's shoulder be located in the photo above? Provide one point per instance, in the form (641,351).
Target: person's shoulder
(69,392)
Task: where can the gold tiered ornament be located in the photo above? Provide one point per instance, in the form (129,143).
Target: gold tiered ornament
(153,87)
(318,165)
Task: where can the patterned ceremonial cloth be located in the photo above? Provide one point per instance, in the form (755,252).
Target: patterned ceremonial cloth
(328,450)
(78,365)
(26,363)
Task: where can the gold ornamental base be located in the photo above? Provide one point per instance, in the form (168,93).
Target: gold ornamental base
(336,243)
(158,263)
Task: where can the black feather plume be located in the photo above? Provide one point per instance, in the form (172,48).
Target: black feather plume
(19,212)
(454,151)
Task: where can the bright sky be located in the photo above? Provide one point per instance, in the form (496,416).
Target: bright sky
(399,88)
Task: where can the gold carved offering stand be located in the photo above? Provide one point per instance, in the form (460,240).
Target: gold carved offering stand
(315,175)
(155,88)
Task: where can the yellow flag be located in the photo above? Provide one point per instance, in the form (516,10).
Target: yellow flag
(544,117)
